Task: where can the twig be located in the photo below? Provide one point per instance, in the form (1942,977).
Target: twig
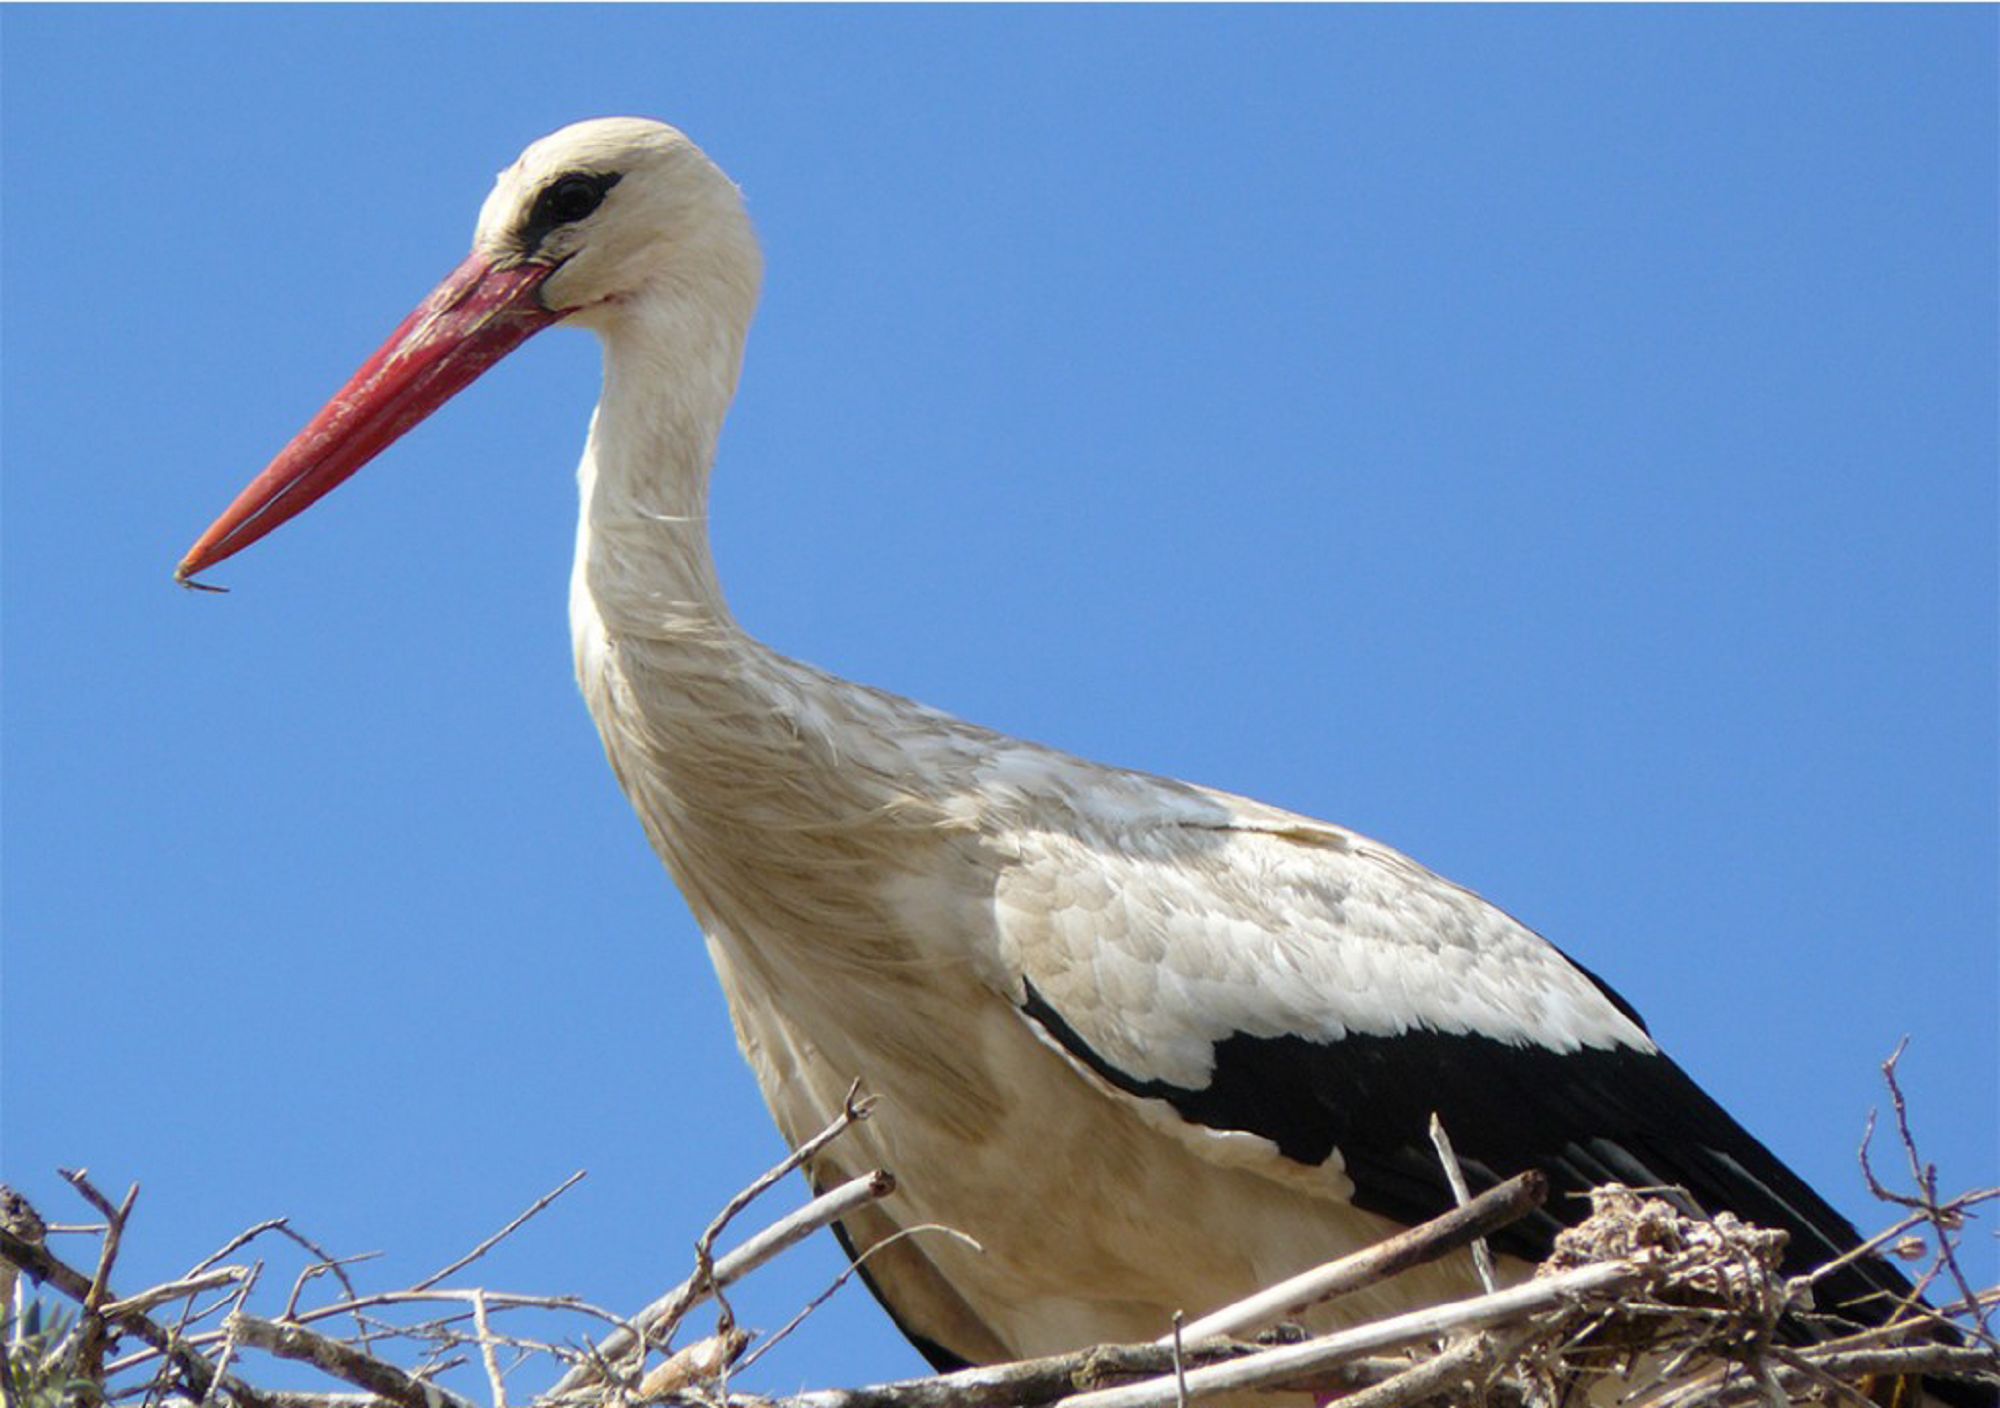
(222,1361)
(90,1337)
(195,1369)
(495,1240)
(79,1179)
(705,1283)
(247,1235)
(1716,1388)
(1290,1363)
(1429,1378)
(1495,1208)
(1024,1382)
(1482,1259)
(779,1336)
(174,1290)
(326,1262)
(486,1352)
(1945,1360)
(854,1108)
(342,1361)
(335,1265)
(1945,1219)
(497,1300)
(786,1232)
(1820,1378)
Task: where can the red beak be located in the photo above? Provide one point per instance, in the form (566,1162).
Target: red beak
(473,319)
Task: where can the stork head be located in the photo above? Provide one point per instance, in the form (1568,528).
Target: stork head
(591,223)
(613,209)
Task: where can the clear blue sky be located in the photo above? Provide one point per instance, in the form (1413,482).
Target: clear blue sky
(1557,441)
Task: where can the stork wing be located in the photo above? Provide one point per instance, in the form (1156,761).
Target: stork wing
(1241,974)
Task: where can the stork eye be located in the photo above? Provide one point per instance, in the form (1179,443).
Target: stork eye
(570,198)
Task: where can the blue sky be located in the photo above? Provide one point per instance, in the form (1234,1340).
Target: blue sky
(1559,442)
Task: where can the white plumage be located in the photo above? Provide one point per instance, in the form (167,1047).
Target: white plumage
(1152,1045)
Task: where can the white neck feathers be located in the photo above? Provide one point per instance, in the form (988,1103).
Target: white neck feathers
(671,363)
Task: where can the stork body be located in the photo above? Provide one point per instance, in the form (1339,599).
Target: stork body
(1150,1044)
(877,881)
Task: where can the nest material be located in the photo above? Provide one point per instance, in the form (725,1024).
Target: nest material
(1721,1264)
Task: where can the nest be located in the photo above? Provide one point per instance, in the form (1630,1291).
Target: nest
(1640,1305)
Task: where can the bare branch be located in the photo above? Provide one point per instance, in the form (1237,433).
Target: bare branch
(854,1108)
(342,1361)
(1482,1259)
(1683,1312)
(500,1236)
(784,1331)
(90,1339)
(228,1354)
(1290,1363)
(243,1238)
(486,1350)
(1491,1210)
(175,1290)
(1430,1377)
(198,1373)
(1024,1382)
(787,1232)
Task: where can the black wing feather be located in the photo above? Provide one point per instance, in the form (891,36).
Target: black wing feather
(1584,1117)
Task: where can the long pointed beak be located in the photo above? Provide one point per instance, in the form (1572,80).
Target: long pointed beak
(473,319)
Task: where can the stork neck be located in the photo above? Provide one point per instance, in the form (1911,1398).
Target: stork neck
(643,553)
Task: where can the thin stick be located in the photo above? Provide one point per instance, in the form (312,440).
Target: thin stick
(786,1232)
(486,1350)
(248,1234)
(497,1300)
(90,1342)
(854,1108)
(1180,1365)
(1025,1382)
(777,1337)
(200,1374)
(174,1290)
(326,1263)
(1957,1361)
(223,1360)
(1482,1259)
(1495,1208)
(343,1361)
(495,1240)
(1289,1363)
(1428,1379)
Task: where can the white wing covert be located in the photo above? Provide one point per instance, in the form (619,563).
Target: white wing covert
(1228,969)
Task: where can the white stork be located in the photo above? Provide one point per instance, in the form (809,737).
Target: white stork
(1153,1046)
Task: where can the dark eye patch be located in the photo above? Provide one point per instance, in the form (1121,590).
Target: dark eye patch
(564,201)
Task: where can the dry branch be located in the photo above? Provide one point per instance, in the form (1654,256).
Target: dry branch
(341,1360)
(198,1374)
(663,1314)
(1289,1364)
(1678,1312)
(1488,1212)
(491,1242)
